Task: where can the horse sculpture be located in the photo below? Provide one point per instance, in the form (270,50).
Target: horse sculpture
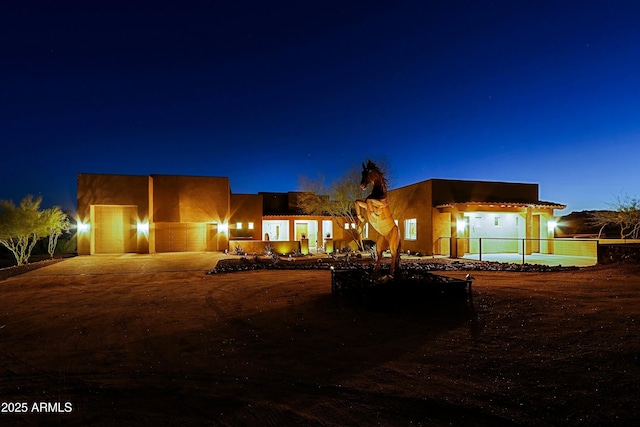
(379,215)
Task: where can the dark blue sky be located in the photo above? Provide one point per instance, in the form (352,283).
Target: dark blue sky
(266,91)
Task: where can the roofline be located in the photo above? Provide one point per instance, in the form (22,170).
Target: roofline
(538,204)
(474,181)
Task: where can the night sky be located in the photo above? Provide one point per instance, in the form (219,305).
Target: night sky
(265,92)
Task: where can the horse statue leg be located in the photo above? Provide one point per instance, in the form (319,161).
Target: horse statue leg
(360,205)
(394,245)
(380,246)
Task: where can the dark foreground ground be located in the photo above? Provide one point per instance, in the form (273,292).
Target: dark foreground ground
(276,348)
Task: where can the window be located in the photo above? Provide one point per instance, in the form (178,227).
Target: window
(410,229)
(250,225)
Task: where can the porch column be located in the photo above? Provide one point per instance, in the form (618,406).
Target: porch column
(528,231)
(548,232)
(455,249)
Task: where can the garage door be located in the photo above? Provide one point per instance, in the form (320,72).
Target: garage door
(180,237)
(115,229)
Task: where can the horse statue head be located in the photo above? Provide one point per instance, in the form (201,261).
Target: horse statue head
(371,174)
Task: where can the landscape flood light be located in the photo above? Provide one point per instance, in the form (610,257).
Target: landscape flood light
(83,227)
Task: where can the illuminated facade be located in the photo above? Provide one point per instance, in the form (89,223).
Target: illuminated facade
(454,218)
(170,213)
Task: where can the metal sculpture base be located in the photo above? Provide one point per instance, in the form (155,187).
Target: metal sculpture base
(408,284)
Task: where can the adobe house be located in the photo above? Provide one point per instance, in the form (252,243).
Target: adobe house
(453,217)
(169,213)
(156,213)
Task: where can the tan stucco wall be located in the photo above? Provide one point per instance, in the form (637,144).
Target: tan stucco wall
(246,208)
(456,191)
(105,189)
(414,201)
(101,189)
(190,199)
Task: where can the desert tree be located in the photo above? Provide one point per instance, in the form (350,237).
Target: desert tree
(21,226)
(624,214)
(57,223)
(337,200)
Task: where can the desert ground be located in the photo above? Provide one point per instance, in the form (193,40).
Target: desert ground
(153,346)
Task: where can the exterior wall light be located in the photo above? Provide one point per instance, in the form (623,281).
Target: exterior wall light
(551,226)
(83,227)
(143,227)
(223,227)
(461,225)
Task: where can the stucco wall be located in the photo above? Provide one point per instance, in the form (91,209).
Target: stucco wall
(246,208)
(258,246)
(190,199)
(455,191)
(105,189)
(414,201)
(102,189)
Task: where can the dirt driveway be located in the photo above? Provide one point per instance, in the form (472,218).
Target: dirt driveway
(171,345)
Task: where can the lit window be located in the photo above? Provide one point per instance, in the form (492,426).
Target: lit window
(238,226)
(410,229)
(250,225)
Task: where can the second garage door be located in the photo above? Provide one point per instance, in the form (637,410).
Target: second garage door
(180,237)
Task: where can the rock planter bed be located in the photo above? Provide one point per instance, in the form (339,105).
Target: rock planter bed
(250,263)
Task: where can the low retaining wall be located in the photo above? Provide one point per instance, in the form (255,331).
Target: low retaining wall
(258,246)
(574,247)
